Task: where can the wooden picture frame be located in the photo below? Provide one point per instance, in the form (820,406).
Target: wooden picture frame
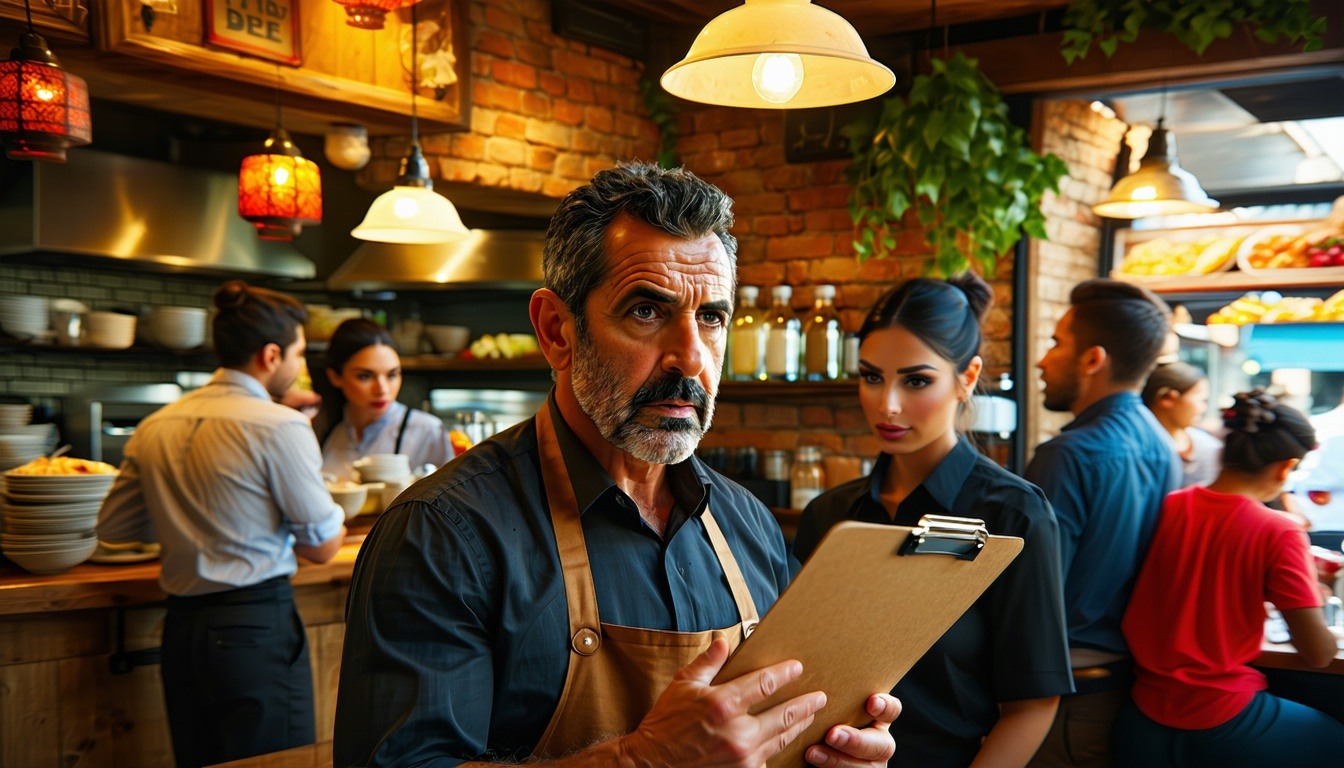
(268,30)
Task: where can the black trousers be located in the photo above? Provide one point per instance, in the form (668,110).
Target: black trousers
(236,676)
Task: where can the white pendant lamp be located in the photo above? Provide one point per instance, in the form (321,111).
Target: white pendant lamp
(412,212)
(1160,187)
(778,54)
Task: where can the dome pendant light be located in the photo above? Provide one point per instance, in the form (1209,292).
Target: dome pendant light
(44,110)
(778,54)
(279,190)
(412,212)
(1160,187)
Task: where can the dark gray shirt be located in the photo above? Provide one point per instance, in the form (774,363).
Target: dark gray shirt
(457,639)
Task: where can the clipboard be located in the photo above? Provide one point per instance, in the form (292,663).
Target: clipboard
(870,601)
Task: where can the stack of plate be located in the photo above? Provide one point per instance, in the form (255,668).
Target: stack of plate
(20,445)
(109,330)
(49,519)
(176,327)
(24,316)
(12,415)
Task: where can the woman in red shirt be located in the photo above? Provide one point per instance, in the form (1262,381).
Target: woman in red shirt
(1196,616)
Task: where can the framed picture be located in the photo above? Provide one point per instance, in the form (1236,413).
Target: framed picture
(267,30)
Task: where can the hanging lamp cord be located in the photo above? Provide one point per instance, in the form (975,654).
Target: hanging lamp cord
(28,9)
(278,80)
(415,127)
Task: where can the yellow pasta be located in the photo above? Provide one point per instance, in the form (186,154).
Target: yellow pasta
(64,465)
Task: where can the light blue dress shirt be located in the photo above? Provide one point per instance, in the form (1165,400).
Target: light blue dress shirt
(425,441)
(227,482)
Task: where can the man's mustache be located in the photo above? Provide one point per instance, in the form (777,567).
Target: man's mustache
(672,388)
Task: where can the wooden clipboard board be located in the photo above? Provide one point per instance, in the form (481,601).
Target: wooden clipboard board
(870,601)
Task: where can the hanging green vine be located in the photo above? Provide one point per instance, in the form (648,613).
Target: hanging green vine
(1196,23)
(949,151)
(664,116)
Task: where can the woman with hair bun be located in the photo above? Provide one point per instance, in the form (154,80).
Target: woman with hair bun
(987,691)
(1196,616)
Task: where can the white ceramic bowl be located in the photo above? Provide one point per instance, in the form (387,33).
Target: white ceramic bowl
(448,339)
(350,496)
(53,560)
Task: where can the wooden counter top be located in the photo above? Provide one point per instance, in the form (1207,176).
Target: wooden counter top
(92,585)
(1284,656)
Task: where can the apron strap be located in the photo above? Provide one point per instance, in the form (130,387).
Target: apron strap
(401,432)
(746,606)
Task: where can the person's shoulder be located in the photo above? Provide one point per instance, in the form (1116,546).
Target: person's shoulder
(484,472)
(991,482)
(833,504)
(426,420)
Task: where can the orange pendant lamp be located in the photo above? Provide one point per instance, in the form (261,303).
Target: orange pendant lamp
(279,190)
(370,14)
(44,110)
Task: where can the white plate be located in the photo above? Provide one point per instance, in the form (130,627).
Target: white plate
(55,498)
(144,553)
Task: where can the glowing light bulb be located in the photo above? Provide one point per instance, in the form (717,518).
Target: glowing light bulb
(281,176)
(46,94)
(405,208)
(777,77)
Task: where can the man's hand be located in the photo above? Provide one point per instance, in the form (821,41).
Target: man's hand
(696,723)
(304,401)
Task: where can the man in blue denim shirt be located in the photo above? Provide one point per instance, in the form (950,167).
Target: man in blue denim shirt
(1106,475)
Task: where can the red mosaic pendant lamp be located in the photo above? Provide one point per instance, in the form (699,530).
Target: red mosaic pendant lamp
(370,14)
(279,190)
(44,110)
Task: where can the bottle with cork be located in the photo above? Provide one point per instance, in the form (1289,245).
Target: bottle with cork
(785,337)
(821,337)
(747,339)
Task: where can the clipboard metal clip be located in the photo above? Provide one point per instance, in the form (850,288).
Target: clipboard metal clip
(961,537)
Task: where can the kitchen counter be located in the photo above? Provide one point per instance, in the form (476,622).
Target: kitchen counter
(92,585)
(1284,656)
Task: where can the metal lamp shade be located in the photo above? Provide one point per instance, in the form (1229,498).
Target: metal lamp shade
(732,58)
(369,14)
(1160,187)
(279,191)
(44,110)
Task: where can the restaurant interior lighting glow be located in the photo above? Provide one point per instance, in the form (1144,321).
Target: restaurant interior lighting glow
(1160,187)
(412,212)
(778,54)
(44,110)
(279,190)
(369,14)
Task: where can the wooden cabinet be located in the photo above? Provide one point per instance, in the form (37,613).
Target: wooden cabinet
(162,61)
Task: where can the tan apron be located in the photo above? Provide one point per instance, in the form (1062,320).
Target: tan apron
(615,673)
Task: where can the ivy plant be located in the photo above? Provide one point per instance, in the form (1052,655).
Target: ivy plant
(664,117)
(1196,23)
(948,150)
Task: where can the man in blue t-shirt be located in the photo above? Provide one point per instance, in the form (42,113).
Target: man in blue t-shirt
(1106,475)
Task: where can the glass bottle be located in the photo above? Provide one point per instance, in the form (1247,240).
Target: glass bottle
(821,337)
(746,342)
(851,356)
(807,478)
(785,337)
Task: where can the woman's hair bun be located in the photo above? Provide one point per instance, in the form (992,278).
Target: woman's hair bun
(1251,411)
(978,293)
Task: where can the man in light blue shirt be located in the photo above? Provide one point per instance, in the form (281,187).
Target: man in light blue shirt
(229,483)
(1105,475)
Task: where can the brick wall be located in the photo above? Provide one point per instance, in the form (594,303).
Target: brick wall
(1088,142)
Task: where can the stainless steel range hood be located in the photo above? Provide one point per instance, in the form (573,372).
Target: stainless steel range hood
(486,259)
(119,207)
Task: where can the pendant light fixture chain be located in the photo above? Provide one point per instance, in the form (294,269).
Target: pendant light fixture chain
(415,40)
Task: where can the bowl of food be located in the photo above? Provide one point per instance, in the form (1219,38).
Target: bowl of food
(351,497)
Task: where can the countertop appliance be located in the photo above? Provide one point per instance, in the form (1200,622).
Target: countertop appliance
(100,420)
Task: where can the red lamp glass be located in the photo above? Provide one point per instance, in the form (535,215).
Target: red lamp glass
(279,191)
(44,110)
(369,14)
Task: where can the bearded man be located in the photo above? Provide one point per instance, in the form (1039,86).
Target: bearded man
(568,589)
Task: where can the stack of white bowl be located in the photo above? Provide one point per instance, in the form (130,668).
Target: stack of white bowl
(393,470)
(109,330)
(24,316)
(15,414)
(49,519)
(20,445)
(176,327)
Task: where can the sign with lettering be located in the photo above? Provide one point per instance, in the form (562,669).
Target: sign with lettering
(268,29)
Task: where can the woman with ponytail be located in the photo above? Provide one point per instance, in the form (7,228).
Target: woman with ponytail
(1196,616)
(986,693)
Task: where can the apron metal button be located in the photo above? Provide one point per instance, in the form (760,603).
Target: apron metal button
(586,642)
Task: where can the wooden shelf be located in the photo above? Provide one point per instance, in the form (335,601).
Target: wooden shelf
(430,363)
(12,345)
(1238,281)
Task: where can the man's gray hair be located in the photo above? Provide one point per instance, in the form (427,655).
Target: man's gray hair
(674,200)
